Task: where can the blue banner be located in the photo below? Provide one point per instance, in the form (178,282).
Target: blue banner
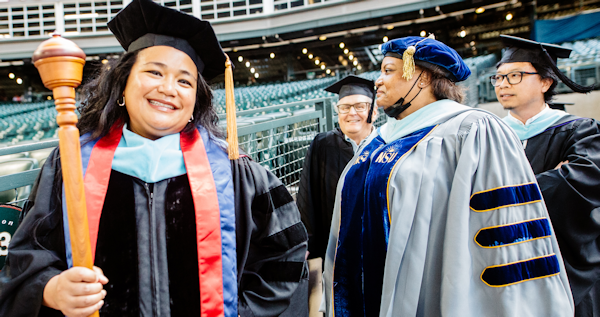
(579,27)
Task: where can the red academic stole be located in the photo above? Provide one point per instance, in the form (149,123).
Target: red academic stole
(206,205)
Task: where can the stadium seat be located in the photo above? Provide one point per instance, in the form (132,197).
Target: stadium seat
(16,166)
(41,155)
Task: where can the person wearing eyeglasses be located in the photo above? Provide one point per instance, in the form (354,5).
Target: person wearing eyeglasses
(325,160)
(329,153)
(564,152)
(439,214)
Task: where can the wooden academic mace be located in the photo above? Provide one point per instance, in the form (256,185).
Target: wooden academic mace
(60,64)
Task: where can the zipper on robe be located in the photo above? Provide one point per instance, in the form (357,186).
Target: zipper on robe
(153,266)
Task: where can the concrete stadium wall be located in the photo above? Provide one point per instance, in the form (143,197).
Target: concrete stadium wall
(585,105)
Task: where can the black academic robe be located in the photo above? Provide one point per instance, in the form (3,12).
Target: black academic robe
(138,244)
(572,195)
(325,161)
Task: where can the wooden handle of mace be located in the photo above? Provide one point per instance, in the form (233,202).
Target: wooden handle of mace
(60,64)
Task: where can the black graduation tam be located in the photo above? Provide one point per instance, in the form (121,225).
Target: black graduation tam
(353,85)
(523,50)
(144,23)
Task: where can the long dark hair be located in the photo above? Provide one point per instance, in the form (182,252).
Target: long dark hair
(99,109)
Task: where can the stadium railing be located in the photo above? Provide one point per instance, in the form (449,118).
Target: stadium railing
(277,137)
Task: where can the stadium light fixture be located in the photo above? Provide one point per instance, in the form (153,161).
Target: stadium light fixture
(322,66)
(304,51)
(509,16)
(380,47)
(328,71)
(317,61)
(390,27)
(472,43)
(310,56)
(252,70)
(359,67)
(11,76)
(19,81)
(355,62)
(351,57)
(423,33)
(240,59)
(322,37)
(272,55)
(105,61)
(346,51)
(342,45)
(480,10)
(385,39)
(247,64)
(49,98)
(462,33)
(256,75)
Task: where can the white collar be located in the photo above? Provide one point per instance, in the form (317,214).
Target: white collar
(532,119)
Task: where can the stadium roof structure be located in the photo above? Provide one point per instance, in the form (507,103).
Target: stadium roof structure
(275,40)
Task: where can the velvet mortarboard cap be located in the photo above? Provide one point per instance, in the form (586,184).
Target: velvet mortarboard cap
(353,85)
(424,51)
(524,50)
(143,24)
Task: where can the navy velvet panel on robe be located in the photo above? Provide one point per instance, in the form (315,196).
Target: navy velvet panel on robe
(365,225)
(348,298)
(513,233)
(512,273)
(505,196)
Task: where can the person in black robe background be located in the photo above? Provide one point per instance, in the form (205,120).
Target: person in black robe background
(564,152)
(325,160)
(157,236)
(328,155)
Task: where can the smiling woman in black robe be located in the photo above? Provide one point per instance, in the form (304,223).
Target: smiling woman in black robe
(177,229)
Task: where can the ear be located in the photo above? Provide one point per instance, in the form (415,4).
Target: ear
(546,84)
(425,79)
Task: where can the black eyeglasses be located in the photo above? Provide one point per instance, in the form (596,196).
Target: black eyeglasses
(359,107)
(512,77)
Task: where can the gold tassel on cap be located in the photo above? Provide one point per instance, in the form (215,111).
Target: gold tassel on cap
(408,57)
(232,137)
(409,62)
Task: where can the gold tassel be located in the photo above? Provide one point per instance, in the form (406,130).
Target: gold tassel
(232,137)
(409,62)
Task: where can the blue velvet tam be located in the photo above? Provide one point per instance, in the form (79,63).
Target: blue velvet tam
(429,51)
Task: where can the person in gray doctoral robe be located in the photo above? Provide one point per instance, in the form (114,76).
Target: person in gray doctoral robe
(439,214)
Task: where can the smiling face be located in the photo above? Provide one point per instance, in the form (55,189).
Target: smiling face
(160,94)
(354,124)
(527,94)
